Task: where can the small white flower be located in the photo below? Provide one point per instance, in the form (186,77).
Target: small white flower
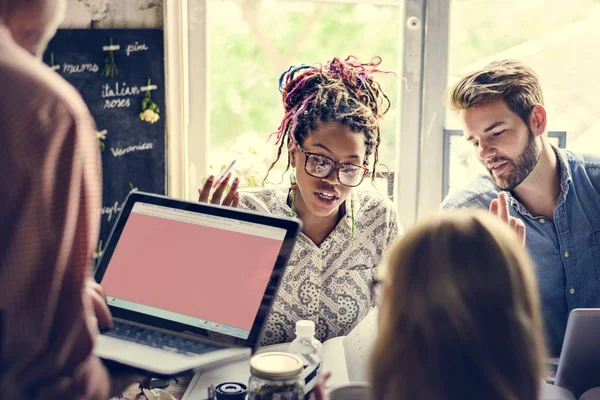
(149,116)
(101,134)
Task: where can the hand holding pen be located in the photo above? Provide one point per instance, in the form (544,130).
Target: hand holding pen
(220,185)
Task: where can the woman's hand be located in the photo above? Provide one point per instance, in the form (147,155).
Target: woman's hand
(231,199)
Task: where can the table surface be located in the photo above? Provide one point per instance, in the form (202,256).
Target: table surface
(176,389)
(238,371)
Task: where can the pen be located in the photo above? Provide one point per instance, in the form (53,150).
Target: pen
(223,175)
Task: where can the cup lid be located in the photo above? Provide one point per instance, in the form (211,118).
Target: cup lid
(276,365)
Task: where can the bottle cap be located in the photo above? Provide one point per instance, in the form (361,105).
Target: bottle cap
(305,328)
(276,365)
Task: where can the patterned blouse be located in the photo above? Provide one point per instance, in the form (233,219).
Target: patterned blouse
(328,284)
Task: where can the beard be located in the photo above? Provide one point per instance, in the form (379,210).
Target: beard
(519,169)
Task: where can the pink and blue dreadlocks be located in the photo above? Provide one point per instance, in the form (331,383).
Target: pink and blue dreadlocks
(340,91)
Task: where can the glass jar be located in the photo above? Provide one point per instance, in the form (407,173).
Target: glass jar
(276,376)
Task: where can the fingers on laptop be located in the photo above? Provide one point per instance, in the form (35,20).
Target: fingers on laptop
(231,198)
(95,286)
(100,307)
(499,207)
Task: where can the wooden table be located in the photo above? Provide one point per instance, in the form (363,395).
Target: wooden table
(176,389)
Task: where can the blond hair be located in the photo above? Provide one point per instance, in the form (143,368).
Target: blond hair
(460,316)
(508,80)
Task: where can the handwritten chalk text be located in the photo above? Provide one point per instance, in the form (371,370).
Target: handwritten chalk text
(117,103)
(118,90)
(121,90)
(112,210)
(118,152)
(80,68)
(132,48)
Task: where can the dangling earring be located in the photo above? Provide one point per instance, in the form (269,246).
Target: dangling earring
(294,190)
(350,214)
(352,222)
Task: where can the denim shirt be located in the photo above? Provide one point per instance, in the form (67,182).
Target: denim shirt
(566,250)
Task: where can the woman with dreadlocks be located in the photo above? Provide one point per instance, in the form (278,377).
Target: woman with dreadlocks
(331,133)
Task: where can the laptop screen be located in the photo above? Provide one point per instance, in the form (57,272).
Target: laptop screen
(197,269)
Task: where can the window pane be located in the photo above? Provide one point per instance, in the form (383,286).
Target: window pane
(556,38)
(251,42)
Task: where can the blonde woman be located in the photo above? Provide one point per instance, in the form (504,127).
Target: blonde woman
(459,316)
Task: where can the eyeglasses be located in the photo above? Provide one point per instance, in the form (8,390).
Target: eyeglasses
(319,166)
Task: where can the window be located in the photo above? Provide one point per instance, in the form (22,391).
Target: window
(558,46)
(238,48)
(249,43)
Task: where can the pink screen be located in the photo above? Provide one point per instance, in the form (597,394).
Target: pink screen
(199,271)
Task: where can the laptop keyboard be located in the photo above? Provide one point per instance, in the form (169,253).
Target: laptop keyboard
(158,339)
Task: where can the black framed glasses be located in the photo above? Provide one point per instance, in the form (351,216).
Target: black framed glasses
(319,166)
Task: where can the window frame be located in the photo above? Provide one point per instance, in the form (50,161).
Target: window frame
(177,97)
(419,184)
(418,180)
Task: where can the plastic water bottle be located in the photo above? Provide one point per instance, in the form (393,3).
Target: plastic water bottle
(311,351)
(305,342)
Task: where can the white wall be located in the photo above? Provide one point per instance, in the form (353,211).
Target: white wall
(82,14)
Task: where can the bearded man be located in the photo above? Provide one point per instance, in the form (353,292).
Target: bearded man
(552,193)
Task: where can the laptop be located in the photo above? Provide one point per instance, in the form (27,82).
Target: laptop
(579,363)
(189,284)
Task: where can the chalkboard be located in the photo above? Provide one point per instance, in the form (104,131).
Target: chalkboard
(115,70)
